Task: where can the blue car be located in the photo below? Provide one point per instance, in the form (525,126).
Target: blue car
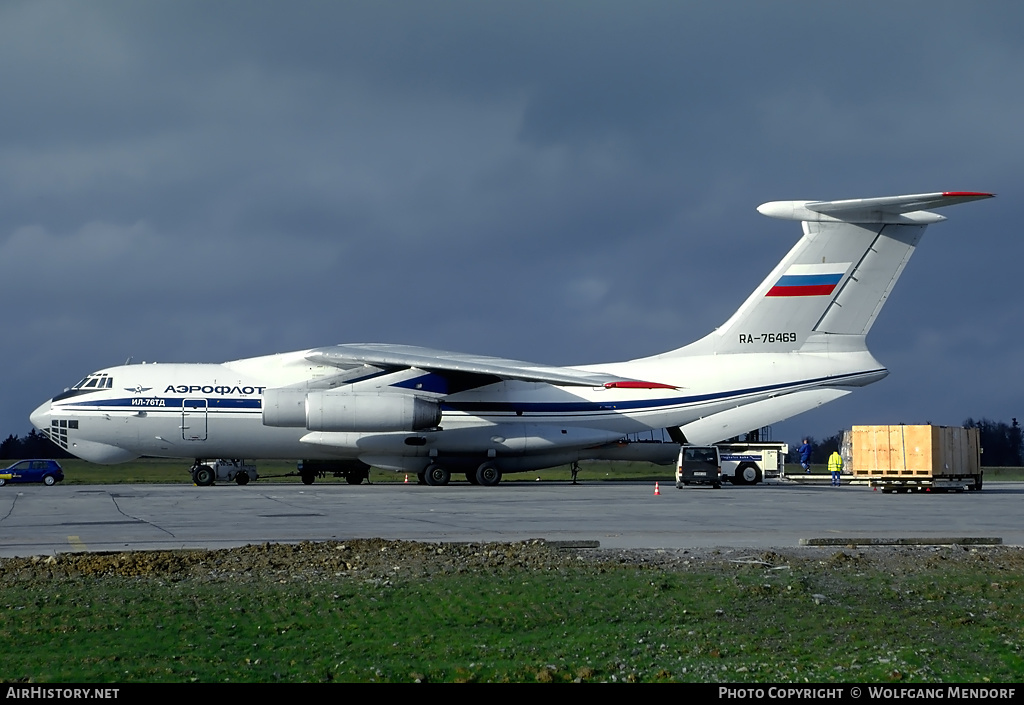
(48,472)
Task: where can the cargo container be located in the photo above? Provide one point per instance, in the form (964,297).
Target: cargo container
(915,458)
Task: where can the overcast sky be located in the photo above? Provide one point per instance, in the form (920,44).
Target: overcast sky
(561,182)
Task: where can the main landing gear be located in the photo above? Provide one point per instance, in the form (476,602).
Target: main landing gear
(354,471)
(436,476)
(487,474)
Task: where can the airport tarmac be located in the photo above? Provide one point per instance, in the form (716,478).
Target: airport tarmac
(38,520)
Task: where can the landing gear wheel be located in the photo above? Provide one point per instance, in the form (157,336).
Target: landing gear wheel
(471,478)
(421,478)
(356,478)
(488,475)
(203,476)
(747,474)
(436,476)
(242,478)
(308,478)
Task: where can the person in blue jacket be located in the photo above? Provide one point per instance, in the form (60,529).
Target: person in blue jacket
(805,456)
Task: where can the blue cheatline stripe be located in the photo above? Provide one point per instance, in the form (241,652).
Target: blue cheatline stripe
(168,403)
(809,279)
(430,382)
(483,407)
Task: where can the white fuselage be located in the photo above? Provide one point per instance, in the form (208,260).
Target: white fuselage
(215,410)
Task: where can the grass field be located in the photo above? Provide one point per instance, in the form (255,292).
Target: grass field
(841,618)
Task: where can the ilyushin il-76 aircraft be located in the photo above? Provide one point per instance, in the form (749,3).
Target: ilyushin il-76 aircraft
(796,343)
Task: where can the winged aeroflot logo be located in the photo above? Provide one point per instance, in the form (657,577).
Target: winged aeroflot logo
(137,389)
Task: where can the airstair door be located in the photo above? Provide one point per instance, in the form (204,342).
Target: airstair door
(193,419)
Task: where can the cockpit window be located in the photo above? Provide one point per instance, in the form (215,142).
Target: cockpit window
(100,380)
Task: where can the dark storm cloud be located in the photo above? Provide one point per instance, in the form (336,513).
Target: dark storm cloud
(563,182)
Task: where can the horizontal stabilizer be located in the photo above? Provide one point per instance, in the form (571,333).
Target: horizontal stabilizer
(910,209)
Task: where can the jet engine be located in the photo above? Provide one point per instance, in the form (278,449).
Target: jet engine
(334,410)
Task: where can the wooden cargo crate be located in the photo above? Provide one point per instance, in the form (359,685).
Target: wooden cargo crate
(918,452)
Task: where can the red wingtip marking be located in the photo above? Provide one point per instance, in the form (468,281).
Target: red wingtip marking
(966,193)
(637,385)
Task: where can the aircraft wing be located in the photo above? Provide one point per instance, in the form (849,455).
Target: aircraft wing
(441,361)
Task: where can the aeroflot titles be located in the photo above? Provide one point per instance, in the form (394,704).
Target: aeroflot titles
(209,389)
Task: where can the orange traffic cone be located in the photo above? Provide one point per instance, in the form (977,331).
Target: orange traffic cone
(657,490)
(407,478)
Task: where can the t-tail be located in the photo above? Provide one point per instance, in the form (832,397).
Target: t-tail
(799,340)
(825,295)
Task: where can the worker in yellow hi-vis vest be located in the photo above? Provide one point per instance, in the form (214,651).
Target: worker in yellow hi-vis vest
(835,466)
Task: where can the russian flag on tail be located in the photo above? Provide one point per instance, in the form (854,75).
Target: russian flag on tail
(809,279)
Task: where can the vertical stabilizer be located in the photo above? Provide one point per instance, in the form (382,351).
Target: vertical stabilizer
(828,290)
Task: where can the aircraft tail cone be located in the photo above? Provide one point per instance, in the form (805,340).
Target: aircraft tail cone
(657,490)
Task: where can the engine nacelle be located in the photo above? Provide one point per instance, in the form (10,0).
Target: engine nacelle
(336,410)
(358,412)
(284,407)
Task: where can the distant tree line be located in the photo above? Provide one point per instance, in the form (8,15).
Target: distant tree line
(34,445)
(1003,444)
